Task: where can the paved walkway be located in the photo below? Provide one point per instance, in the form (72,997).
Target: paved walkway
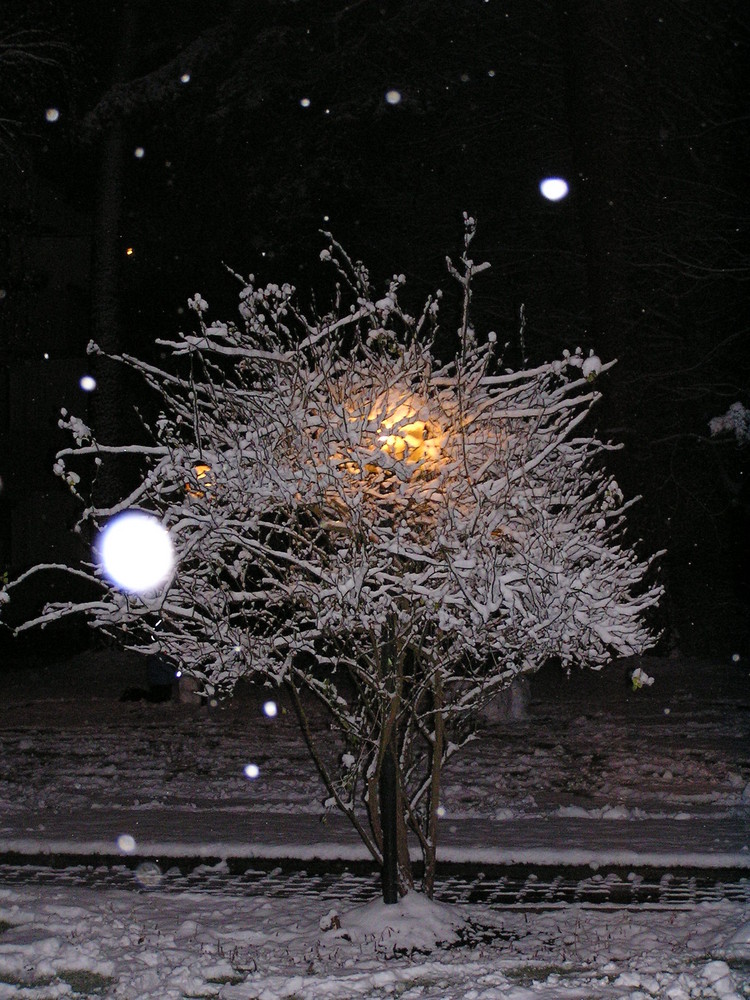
(706,843)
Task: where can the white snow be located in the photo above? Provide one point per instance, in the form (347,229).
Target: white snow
(594,774)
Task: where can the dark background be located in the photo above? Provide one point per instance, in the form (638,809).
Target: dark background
(641,106)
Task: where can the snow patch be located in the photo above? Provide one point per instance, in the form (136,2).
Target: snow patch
(414,924)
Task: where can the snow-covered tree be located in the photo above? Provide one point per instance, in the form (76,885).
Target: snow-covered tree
(736,419)
(397,537)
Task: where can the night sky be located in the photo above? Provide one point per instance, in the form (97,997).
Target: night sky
(144,145)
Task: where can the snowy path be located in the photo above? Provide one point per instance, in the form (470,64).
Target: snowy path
(560,840)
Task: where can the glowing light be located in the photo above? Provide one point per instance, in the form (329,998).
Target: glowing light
(736,657)
(393,96)
(139,152)
(46,356)
(201,471)
(441,811)
(87,383)
(271,709)
(135,552)
(305,102)
(129,251)
(185,78)
(126,843)
(52,114)
(252,771)
(554,188)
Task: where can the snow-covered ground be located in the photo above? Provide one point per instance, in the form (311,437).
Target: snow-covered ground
(594,773)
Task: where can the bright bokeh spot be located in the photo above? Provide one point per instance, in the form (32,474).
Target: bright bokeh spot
(736,657)
(271,709)
(129,251)
(554,188)
(135,552)
(185,78)
(126,843)
(149,875)
(305,102)
(87,383)
(52,114)
(393,96)
(139,152)
(252,771)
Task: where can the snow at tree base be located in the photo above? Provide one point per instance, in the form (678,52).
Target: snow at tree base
(353,518)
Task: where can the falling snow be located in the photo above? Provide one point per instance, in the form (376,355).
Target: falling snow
(553,188)
(136,552)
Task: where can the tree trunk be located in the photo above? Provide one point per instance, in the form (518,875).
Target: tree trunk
(110,405)
(436,765)
(597,43)
(388,801)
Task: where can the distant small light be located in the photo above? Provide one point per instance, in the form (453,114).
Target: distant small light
(185,78)
(126,843)
(252,771)
(465,78)
(441,811)
(326,218)
(130,251)
(393,96)
(52,114)
(87,383)
(46,356)
(736,657)
(554,188)
(305,102)
(178,674)
(328,111)
(271,709)
(139,152)
(491,72)
(3,293)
